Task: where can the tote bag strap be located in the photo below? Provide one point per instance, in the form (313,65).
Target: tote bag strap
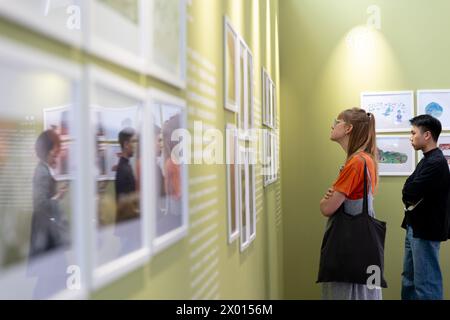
(366,200)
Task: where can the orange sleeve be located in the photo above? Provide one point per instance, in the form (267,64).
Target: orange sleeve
(349,178)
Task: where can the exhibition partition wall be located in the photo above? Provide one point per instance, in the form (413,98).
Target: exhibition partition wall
(117,123)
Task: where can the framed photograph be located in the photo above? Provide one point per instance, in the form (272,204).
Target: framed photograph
(392,110)
(231,65)
(60,19)
(232,182)
(37,253)
(435,103)
(167,41)
(126,45)
(396,156)
(121,231)
(169,160)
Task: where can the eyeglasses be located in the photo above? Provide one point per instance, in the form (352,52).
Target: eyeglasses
(336,122)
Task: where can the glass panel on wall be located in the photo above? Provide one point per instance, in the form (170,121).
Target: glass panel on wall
(116,121)
(37,175)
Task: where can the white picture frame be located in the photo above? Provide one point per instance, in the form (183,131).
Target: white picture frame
(269,163)
(232,182)
(168,106)
(244,207)
(435,103)
(59,19)
(14,59)
(231,66)
(167,46)
(252,161)
(396,155)
(268,100)
(114,260)
(392,109)
(126,46)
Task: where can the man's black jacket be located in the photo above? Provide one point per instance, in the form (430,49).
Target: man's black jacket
(430,182)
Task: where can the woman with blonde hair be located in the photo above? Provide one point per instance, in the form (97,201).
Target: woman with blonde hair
(354,130)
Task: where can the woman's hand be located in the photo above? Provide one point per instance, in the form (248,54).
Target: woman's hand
(331,201)
(329,193)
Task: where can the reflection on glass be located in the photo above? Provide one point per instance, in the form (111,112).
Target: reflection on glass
(168,177)
(115,119)
(35,180)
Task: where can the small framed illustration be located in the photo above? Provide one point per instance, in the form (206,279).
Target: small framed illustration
(167,41)
(444,145)
(243,88)
(244,199)
(268,100)
(231,66)
(40,238)
(251,151)
(60,19)
(169,168)
(392,110)
(246,99)
(435,103)
(232,182)
(126,45)
(120,234)
(396,156)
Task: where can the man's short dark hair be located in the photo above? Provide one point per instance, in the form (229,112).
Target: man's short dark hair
(425,122)
(125,136)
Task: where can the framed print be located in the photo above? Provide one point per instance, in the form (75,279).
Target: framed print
(243,88)
(251,151)
(244,208)
(268,101)
(167,41)
(60,19)
(435,103)
(231,66)
(396,156)
(265,97)
(39,227)
(169,168)
(126,45)
(270,153)
(392,110)
(121,230)
(444,145)
(232,182)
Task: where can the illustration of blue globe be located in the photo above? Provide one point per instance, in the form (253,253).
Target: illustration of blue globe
(434,109)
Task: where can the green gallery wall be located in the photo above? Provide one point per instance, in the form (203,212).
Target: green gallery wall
(203,265)
(323,72)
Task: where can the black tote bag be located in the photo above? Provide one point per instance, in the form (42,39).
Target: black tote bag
(351,244)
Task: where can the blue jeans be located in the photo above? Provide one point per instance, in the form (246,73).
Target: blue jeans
(421,277)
